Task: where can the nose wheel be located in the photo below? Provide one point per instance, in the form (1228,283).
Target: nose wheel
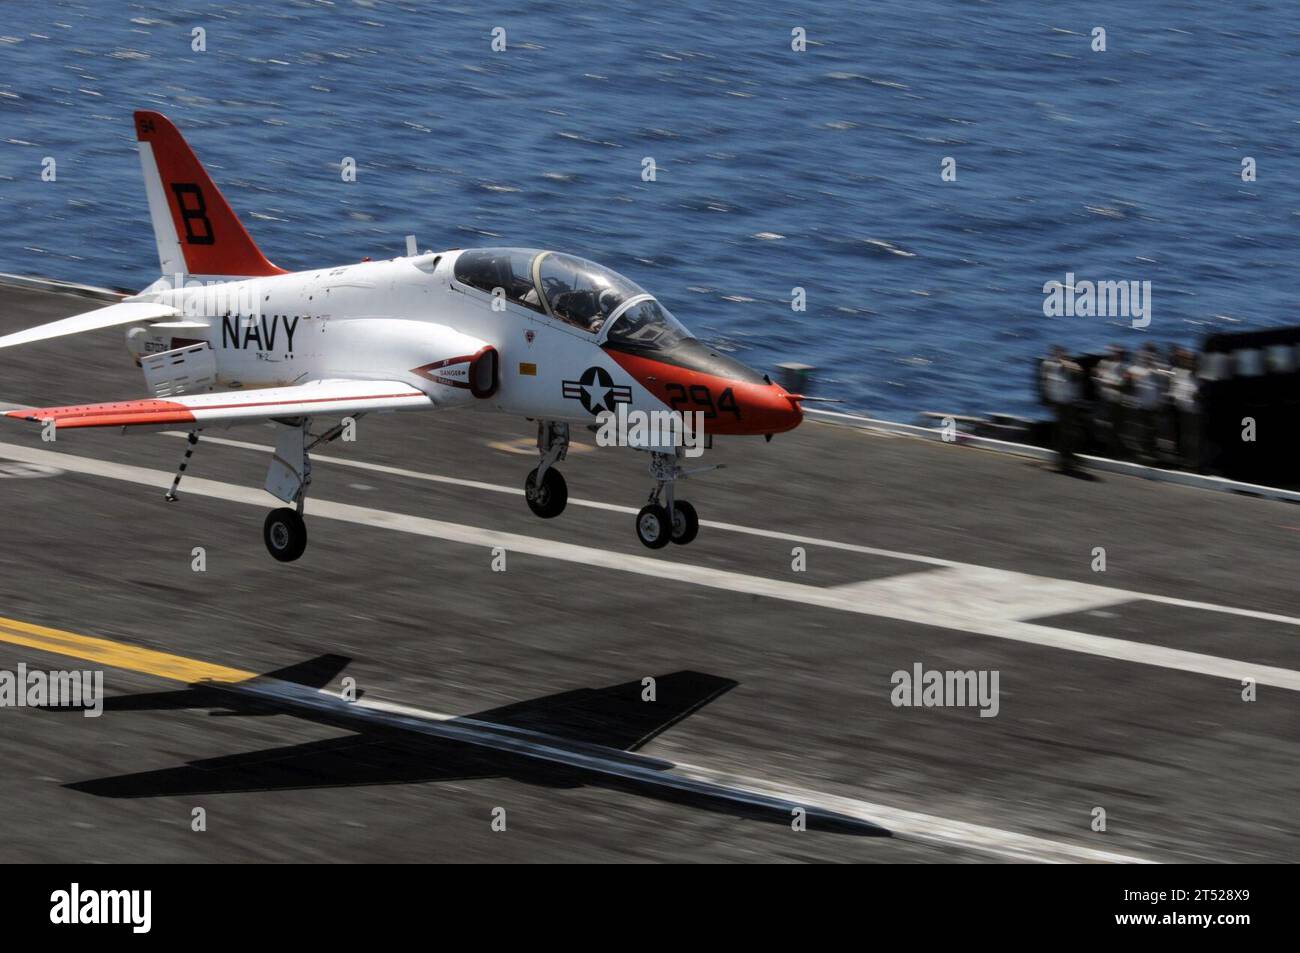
(663,519)
(686,525)
(656,529)
(652,526)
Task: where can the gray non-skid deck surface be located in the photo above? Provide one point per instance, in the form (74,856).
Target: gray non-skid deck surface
(1183,767)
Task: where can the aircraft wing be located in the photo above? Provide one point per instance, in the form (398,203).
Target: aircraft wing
(126,312)
(616,716)
(329,398)
(314,673)
(345,761)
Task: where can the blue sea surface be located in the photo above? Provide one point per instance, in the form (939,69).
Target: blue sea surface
(776,169)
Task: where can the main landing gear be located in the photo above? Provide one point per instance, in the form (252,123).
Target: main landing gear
(285,534)
(545,490)
(288,478)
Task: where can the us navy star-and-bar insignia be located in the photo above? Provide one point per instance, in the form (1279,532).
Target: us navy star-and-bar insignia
(597,391)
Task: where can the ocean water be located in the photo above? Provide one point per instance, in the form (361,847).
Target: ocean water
(775,169)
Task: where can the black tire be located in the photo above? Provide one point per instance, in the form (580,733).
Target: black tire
(686,524)
(549,499)
(653,526)
(285,534)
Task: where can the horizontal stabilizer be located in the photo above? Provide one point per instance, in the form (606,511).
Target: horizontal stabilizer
(127,312)
(181,326)
(615,716)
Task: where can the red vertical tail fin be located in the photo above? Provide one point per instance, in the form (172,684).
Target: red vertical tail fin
(196,230)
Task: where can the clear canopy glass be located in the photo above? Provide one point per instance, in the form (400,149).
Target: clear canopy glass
(510,269)
(575,290)
(582,292)
(647,326)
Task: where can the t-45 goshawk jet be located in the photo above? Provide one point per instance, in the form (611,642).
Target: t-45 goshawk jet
(226,337)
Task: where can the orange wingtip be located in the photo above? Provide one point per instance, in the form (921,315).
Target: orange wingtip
(116,414)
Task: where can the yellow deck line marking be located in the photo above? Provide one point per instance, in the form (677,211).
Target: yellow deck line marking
(116,654)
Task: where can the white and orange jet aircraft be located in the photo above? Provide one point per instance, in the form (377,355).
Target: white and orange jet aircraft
(226,337)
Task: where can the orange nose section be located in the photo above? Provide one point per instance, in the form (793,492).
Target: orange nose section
(767,408)
(731,405)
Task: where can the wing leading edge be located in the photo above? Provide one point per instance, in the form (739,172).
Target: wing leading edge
(315,398)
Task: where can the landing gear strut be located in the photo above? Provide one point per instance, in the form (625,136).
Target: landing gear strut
(545,489)
(289,476)
(663,519)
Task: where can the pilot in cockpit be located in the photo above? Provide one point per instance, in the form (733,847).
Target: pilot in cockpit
(582,293)
(588,308)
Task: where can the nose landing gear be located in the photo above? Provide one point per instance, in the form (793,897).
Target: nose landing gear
(663,519)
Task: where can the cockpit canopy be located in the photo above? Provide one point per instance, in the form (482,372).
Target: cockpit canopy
(578,292)
(510,269)
(646,325)
(618,313)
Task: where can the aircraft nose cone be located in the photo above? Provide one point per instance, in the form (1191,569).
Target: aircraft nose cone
(775,410)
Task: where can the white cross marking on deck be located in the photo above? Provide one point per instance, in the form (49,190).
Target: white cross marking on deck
(979,592)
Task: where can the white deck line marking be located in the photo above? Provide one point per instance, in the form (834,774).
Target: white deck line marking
(902,824)
(1121,595)
(875,604)
(929,828)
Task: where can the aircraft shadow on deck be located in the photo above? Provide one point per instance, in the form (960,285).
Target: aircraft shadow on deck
(589,736)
